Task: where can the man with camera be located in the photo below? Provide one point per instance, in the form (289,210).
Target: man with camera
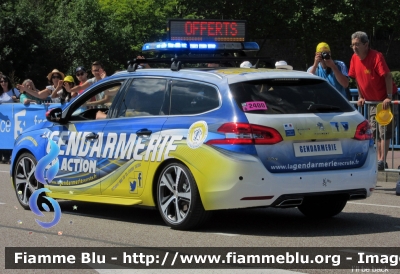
(334,71)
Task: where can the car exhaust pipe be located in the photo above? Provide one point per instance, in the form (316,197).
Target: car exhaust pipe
(357,197)
(290,202)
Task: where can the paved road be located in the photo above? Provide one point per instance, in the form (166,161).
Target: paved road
(366,223)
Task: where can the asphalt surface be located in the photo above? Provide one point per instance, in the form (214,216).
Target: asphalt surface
(374,222)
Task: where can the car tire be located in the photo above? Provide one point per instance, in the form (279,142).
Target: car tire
(24,179)
(178,198)
(322,208)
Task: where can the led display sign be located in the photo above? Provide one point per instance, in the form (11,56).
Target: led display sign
(207,30)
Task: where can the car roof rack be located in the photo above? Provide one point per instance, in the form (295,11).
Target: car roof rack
(177,61)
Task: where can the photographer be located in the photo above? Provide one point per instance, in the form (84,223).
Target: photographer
(334,71)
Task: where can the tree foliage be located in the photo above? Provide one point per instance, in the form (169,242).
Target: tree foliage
(37,36)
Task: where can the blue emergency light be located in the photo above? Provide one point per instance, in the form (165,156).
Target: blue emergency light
(174,46)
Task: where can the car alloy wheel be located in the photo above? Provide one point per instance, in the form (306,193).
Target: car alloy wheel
(178,199)
(24,178)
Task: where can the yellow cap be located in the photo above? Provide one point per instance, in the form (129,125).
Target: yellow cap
(383,116)
(69,78)
(321,47)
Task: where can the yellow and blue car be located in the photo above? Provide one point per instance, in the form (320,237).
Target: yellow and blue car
(191,141)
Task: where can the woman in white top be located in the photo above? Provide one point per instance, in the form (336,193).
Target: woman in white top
(54,77)
(8,94)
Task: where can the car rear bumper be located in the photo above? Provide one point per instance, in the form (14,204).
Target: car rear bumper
(242,184)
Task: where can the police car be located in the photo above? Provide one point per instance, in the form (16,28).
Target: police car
(189,141)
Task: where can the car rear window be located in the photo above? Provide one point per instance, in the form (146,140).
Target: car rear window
(288,96)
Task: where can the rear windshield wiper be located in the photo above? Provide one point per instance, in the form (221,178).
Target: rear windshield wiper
(322,108)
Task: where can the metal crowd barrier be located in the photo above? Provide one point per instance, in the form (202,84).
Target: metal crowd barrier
(395,140)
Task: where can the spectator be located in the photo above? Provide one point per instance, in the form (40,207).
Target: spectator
(8,94)
(26,99)
(61,90)
(334,71)
(142,65)
(374,81)
(99,73)
(81,75)
(54,77)
(213,65)
(283,65)
(246,64)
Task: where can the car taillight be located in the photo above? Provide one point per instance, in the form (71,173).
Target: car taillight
(246,134)
(363,131)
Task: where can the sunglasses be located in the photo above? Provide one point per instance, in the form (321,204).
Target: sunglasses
(56,77)
(80,74)
(4,81)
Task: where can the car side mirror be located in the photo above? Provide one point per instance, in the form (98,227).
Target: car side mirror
(54,116)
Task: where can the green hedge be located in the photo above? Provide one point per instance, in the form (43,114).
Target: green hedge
(396,77)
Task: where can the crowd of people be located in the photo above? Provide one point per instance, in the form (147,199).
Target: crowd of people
(367,66)
(60,89)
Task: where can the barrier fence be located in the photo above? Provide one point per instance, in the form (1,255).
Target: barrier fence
(15,118)
(395,140)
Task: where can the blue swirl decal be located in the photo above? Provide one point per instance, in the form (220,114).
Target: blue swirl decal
(33,205)
(45,161)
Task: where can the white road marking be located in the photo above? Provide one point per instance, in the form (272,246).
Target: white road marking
(226,234)
(373,204)
(5,171)
(2,203)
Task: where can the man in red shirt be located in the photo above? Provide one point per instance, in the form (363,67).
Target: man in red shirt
(375,83)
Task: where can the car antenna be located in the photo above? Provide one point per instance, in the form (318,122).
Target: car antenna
(256,64)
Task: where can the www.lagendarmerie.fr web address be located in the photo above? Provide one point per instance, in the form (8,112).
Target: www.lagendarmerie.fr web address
(315,165)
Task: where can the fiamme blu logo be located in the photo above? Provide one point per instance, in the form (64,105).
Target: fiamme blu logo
(46,170)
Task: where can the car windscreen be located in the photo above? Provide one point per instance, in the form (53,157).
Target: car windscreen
(288,96)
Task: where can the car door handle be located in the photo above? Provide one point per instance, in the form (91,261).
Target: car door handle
(92,136)
(143,131)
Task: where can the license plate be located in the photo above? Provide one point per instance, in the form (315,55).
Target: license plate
(317,148)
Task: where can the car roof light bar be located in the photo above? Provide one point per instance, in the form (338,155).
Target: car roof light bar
(182,46)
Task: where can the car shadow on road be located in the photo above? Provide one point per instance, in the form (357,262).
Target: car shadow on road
(291,223)
(258,222)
